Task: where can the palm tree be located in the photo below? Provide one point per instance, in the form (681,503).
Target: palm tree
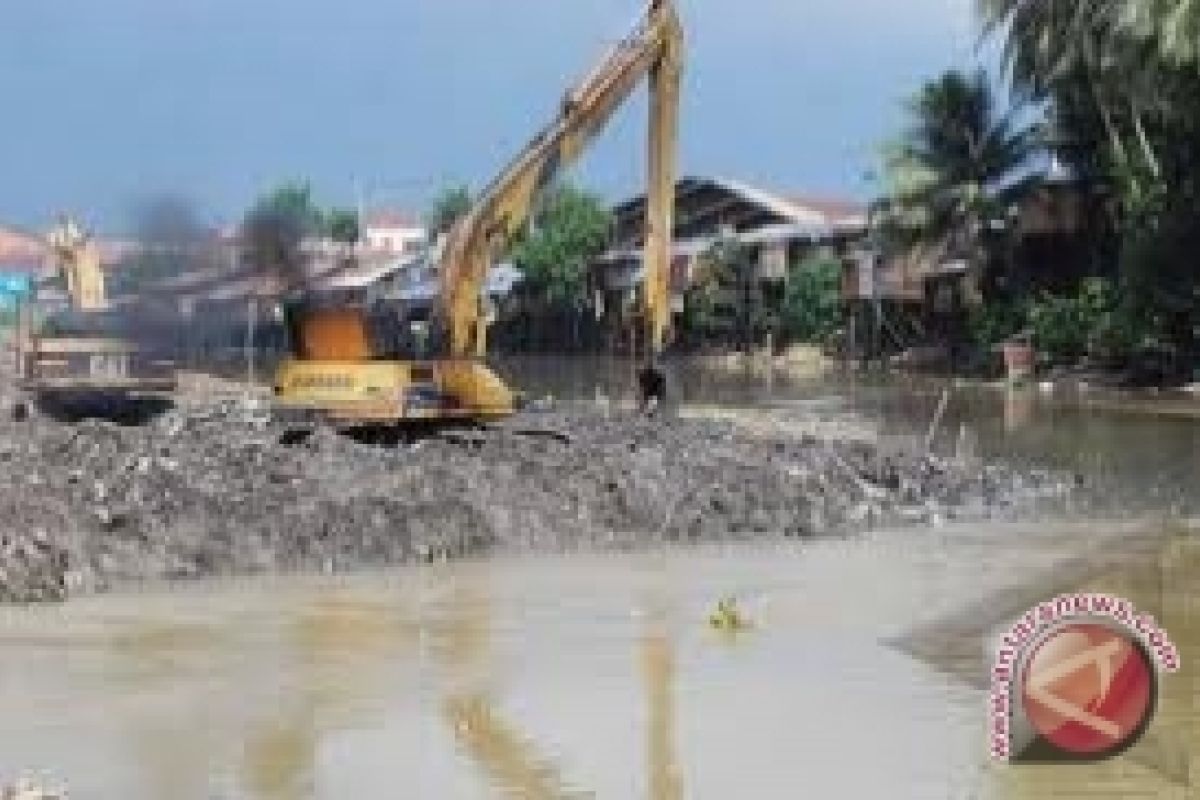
(956,172)
(1173,25)
(1097,52)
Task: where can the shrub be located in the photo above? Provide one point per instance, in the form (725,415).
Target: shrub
(812,301)
(1065,327)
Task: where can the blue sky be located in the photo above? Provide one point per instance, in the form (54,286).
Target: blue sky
(111,102)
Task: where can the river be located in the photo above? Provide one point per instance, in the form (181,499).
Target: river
(862,672)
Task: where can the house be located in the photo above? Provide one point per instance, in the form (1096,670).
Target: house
(393,232)
(778,229)
(774,229)
(1053,237)
(21,251)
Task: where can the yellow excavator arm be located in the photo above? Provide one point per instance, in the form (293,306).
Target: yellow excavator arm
(78,260)
(654,50)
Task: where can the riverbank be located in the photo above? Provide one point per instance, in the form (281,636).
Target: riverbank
(208,489)
(1083,392)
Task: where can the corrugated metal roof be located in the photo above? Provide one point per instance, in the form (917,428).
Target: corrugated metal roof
(367,273)
(830,215)
(245,288)
(773,202)
(500,281)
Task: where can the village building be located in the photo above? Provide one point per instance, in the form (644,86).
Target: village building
(393,232)
(774,231)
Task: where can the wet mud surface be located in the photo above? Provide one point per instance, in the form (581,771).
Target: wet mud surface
(213,490)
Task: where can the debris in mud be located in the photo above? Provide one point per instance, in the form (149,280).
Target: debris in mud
(727,617)
(26,789)
(212,490)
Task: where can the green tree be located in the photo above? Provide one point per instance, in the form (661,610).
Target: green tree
(1066,327)
(342,225)
(1085,57)
(957,170)
(293,200)
(451,205)
(718,302)
(812,300)
(1122,82)
(1172,25)
(569,229)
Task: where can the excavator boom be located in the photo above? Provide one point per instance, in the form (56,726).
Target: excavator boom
(79,265)
(654,51)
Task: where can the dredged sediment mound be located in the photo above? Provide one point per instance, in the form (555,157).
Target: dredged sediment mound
(212,491)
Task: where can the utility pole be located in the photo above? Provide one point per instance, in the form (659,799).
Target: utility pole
(359,209)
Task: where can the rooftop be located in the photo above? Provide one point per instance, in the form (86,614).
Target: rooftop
(20,249)
(392,218)
(704,206)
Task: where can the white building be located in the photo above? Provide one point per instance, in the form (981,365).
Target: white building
(393,232)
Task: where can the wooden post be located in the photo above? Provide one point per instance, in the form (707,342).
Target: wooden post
(251,324)
(21,332)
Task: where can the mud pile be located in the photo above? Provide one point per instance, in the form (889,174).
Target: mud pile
(207,491)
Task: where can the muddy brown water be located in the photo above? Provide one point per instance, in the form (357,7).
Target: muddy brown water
(861,674)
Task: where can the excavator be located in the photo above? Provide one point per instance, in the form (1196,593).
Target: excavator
(347,363)
(83,356)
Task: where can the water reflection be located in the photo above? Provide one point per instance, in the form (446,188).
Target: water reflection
(658,666)
(509,760)
(280,758)
(1019,405)
(458,634)
(338,647)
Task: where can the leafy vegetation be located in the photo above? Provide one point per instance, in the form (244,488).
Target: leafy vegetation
(724,303)
(716,305)
(1063,327)
(341,225)
(1114,86)
(569,229)
(1090,322)
(812,307)
(956,172)
(448,207)
(1121,81)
